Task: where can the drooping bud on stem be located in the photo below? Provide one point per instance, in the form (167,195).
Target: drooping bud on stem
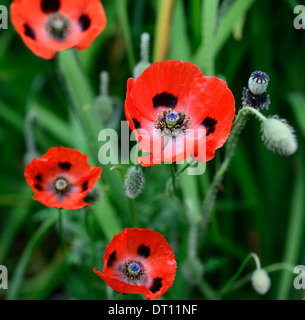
(261,281)
(279,136)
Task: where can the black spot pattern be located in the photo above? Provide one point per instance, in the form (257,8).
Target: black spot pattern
(50,6)
(28,31)
(38,177)
(38,187)
(165,99)
(84,22)
(156,286)
(111,259)
(85,186)
(144,251)
(65,165)
(209,124)
(136,123)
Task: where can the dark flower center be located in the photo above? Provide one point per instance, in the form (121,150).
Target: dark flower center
(171,123)
(133,270)
(61,185)
(58,27)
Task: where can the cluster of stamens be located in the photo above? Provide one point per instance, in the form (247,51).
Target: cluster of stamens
(170,122)
(61,185)
(58,26)
(133,270)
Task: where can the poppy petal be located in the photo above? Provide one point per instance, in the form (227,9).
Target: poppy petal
(149,248)
(69,167)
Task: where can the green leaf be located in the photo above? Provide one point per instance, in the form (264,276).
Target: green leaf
(179,43)
(237,10)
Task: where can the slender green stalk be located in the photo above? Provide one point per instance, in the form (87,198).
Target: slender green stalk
(134,214)
(231,281)
(61,233)
(184,168)
(294,235)
(123,18)
(34,242)
(164,14)
(239,124)
(282,266)
(172,169)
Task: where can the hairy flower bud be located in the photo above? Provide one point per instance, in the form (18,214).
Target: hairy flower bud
(279,136)
(134,182)
(144,54)
(261,281)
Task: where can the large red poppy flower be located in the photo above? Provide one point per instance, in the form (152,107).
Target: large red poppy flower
(48,26)
(176,112)
(139,261)
(61,178)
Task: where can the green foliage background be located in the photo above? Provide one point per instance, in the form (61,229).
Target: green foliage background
(260,207)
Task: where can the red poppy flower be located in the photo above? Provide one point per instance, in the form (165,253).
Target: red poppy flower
(139,261)
(48,26)
(176,112)
(61,178)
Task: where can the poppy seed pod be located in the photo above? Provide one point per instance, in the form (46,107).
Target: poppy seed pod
(258,82)
(279,136)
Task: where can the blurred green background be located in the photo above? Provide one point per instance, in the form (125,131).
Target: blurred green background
(260,207)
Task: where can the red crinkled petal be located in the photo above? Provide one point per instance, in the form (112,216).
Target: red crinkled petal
(29,21)
(160,263)
(200,97)
(61,162)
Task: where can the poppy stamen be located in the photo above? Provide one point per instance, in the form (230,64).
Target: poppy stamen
(58,27)
(133,270)
(61,185)
(170,122)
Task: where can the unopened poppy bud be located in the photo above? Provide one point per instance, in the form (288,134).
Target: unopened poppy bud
(144,54)
(258,82)
(279,136)
(192,270)
(134,182)
(261,281)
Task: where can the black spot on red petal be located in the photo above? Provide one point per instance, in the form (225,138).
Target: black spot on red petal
(144,251)
(85,186)
(165,99)
(156,285)
(38,187)
(136,123)
(209,124)
(84,22)
(38,177)
(65,165)
(29,32)
(50,6)
(111,259)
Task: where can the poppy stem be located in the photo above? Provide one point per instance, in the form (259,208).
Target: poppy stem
(134,214)
(61,236)
(240,122)
(173,173)
(231,281)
